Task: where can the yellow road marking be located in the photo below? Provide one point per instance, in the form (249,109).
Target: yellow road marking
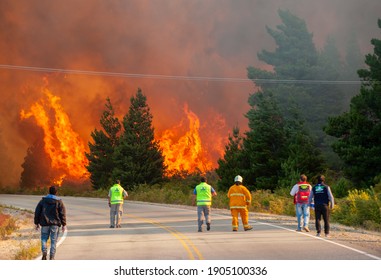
(184,240)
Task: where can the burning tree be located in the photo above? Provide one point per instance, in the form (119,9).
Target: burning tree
(59,143)
(184,154)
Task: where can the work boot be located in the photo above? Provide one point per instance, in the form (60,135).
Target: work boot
(43,256)
(208,226)
(51,257)
(248,228)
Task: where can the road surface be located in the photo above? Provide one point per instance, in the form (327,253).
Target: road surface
(160,232)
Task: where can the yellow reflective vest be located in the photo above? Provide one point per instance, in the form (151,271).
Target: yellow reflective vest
(239,197)
(116,194)
(204,194)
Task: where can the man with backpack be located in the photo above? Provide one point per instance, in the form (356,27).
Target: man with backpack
(301,192)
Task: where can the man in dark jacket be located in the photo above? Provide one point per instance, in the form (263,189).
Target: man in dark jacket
(50,214)
(324,201)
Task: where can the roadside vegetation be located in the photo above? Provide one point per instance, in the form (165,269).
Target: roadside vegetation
(19,240)
(7,225)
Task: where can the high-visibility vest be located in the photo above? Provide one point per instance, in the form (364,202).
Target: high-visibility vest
(116,194)
(204,194)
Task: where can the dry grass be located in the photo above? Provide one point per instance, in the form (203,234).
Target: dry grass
(23,242)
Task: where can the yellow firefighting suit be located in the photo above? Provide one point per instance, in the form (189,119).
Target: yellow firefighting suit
(239,198)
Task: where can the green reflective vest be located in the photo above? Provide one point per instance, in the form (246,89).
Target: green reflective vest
(204,194)
(116,194)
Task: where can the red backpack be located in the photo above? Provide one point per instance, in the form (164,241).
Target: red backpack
(303,193)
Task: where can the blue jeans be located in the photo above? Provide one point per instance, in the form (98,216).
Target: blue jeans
(302,210)
(46,233)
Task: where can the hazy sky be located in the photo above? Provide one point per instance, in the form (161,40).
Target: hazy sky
(205,38)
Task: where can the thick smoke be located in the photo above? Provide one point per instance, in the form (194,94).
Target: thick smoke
(171,38)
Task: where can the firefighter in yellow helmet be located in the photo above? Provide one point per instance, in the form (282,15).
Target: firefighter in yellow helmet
(239,199)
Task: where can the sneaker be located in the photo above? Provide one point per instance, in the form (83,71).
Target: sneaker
(306,229)
(327,236)
(208,226)
(248,228)
(118,226)
(51,258)
(111,226)
(298,229)
(318,234)
(199,230)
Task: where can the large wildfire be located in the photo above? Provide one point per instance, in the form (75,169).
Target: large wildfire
(185,153)
(62,144)
(181,145)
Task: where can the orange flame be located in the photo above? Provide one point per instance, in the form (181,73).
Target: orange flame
(184,153)
(62,144)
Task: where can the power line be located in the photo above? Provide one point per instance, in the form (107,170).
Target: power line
(172,77)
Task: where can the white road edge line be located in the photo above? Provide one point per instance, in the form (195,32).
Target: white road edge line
(326,240)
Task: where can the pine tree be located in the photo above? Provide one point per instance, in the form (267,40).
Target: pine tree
(138,158)
(101,164)
(231,164)
(265,143)
(358,130)
(302,154)
(303,75)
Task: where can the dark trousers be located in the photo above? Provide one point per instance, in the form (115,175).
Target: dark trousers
(322,210)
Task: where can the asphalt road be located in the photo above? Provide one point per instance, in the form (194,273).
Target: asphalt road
(160,232)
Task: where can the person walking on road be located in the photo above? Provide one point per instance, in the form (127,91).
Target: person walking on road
(50,214)
(239,200)
(324,201)
(202,194)
(116,196)
(301,192)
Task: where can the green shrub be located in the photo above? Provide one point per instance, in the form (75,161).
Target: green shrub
(361,208)
(341,188)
